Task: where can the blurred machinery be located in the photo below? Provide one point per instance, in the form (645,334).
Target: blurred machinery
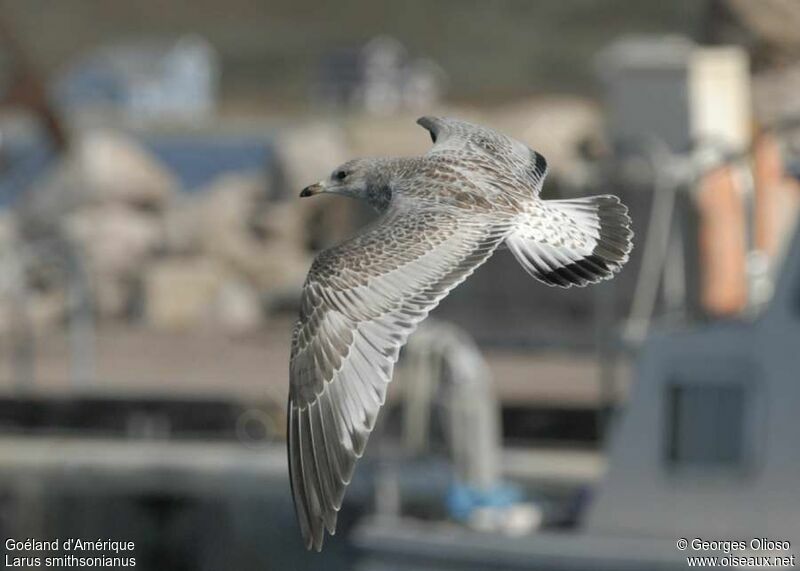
(671,90)
(668,101)
(713,239)
(145,81)
(707,445)
(50,261)
(379,78)
(705,448)
(443,372)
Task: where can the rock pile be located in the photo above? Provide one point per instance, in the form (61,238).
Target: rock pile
(219,257)
(226,256)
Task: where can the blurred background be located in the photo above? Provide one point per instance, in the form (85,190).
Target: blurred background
(152,250)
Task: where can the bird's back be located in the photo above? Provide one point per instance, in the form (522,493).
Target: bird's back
(489,155)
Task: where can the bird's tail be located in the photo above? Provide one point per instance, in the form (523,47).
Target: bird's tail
(573,242)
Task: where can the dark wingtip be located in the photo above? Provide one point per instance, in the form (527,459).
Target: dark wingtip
(427,121)
(539,166)
(432,124)
(541,163)
(588,270)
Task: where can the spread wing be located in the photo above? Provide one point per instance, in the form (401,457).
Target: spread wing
(360,302)
(461,136)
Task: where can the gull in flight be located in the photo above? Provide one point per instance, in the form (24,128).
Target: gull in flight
(442,215)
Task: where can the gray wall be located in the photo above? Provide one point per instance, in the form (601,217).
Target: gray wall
(644,494)
(490,49)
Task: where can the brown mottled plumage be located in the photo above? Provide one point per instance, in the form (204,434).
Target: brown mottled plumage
(443,215)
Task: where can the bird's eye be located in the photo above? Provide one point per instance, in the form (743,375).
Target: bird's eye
(340,175)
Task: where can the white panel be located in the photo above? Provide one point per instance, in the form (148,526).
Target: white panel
(719,97)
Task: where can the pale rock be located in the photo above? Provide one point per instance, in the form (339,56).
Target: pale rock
(113,238)
(262,242)
(114,241)
(117,168)
(279,270)
(8,229)
(282,221)
(225,214)
(308,153)
(209,220)
(182,222)
(46,311)
(236,308)
(6,317)
(178,292)
(104,167)
(111,295)
(36,314)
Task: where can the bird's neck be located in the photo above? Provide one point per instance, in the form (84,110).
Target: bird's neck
(383,181)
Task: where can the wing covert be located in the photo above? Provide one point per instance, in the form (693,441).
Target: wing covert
(360,303)
(467,138)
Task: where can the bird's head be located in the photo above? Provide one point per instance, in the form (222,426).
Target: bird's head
(352,179)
